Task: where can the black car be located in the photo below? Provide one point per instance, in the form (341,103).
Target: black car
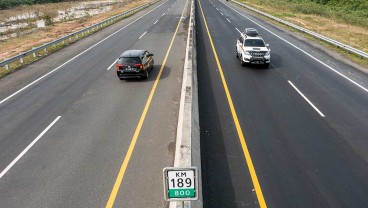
(134,64)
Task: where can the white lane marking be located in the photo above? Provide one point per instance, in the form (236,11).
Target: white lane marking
(37,80)
(27,148)
(305,98)
(112,64)
(217,9)
(155,22)
(306,53)
(163,14)
(228,20)
(222,14)
(238,30)
(142,35)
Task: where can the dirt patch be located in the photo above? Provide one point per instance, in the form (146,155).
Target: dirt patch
(38,36)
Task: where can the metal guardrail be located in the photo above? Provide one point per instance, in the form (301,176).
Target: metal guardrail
(87,30)
(314,34)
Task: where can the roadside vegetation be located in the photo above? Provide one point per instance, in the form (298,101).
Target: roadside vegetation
(343,20)
(52,31)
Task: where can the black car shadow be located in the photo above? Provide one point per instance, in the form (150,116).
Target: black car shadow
(153,74)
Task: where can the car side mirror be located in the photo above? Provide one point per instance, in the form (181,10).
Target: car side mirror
(149,55)
(267,45)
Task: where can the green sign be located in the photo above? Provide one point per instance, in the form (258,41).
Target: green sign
(181,193)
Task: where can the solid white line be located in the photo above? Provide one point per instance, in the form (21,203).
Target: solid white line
(155,22)
(228,20)
(27,148)
(222,14)
(37,80)
(163,14)
(112,64)
(238,30)
(306,53)
(142,35)
(305,98)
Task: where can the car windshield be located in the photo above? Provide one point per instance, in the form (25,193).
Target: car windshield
(254,43)
(129,61)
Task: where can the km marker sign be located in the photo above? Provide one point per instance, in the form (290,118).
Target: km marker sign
(181,184)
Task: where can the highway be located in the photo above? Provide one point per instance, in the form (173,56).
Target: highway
(73,135)
(293,135)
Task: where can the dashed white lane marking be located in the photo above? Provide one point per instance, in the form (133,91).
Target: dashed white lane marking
(112,64)
(27,148)
(142,35)
(305,98)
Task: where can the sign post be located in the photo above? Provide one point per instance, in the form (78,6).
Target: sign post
(180,184)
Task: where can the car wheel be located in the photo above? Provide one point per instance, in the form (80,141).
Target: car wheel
(146,75)
(237,54)
(266,65)
(242,63)
(121,78)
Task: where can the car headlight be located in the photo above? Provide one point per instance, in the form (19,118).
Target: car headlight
(247,53)
(268,53)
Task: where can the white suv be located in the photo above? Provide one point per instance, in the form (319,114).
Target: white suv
(250,48)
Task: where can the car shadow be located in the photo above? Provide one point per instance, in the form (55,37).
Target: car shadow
(153,74)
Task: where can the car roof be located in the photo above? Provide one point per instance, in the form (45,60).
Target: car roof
(251,37)
(132,53)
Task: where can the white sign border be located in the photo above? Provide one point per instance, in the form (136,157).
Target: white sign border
(166,185)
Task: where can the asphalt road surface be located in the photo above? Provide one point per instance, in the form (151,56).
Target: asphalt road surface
(304,121)
(69,128)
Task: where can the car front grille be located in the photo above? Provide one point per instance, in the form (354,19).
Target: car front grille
(257,53)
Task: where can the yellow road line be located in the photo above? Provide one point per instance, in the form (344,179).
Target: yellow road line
(252,171)
(128,155)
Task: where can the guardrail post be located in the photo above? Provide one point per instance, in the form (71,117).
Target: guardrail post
(21,60)
(7,67)
(34,53)
(70,39)
(77,37)
(45,49)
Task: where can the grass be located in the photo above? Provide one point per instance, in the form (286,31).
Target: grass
(323,19)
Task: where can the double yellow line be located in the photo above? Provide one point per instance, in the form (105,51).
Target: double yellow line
(128,155)
(247,156)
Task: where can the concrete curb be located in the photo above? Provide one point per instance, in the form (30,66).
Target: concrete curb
(187,151)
